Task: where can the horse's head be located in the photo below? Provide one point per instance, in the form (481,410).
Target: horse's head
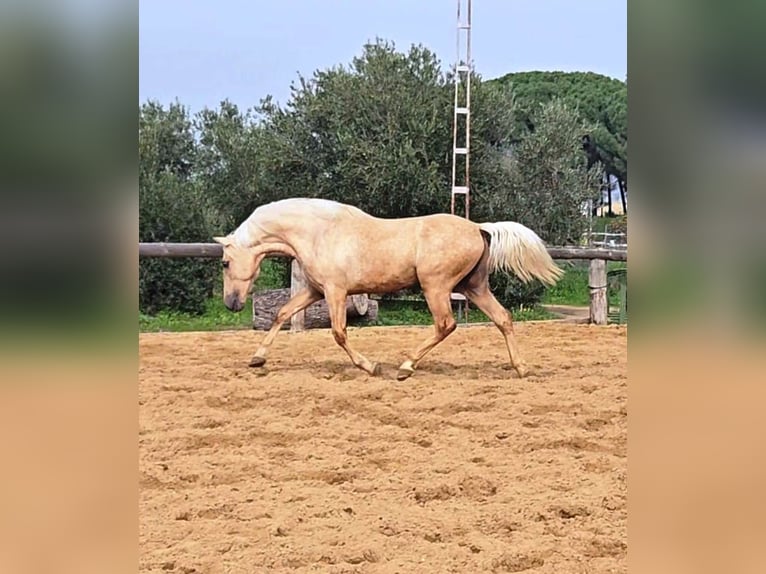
(241,266)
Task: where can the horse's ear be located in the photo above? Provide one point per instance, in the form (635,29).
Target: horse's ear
(222,240)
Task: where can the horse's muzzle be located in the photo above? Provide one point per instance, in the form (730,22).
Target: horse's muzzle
(233,303)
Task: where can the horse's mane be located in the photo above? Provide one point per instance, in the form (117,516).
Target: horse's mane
(270,215)
(316,206)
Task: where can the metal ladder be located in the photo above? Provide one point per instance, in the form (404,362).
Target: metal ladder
(461,124)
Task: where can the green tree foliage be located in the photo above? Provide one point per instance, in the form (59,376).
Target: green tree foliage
(172,207)
(165,141)
(550,185)
(601,101)
(228,161)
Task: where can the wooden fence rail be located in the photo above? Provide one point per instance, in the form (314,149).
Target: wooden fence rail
(180,250)
(597,276)
(216,250)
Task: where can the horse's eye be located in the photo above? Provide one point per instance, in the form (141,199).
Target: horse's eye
(225,263)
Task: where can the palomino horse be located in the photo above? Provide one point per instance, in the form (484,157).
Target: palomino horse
(345,251)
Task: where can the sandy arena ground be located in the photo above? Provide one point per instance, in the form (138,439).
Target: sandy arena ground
(310,465)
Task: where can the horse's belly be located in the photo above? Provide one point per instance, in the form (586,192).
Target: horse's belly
(382,280)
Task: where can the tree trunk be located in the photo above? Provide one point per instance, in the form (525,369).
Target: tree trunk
(360,310)
(608,186)
(623,188)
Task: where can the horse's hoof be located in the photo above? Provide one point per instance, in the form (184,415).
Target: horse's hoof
(522,371)
(257,361)
(404,374)
(377,370)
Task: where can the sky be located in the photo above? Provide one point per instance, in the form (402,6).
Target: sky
(201,52)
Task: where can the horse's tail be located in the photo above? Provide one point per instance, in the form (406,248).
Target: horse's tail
(519,249)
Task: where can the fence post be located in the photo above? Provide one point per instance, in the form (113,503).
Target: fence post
(597,286)
(297,283)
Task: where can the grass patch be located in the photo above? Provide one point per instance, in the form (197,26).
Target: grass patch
(417,313)
(572,288)
(217,317)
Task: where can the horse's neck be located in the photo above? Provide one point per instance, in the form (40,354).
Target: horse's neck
(295,230)
(297,223)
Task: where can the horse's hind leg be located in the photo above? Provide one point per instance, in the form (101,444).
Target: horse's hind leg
(298,302)
(444,324)
(336,303)
(483,298)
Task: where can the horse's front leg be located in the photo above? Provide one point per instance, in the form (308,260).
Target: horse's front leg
(336,303)
(298,302)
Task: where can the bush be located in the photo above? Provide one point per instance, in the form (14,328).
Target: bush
(174,210)
(174,284)
(275,274)
(572,288)
(513,293)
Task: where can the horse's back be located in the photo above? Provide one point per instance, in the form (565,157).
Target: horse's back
(442,247)
(448,238)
